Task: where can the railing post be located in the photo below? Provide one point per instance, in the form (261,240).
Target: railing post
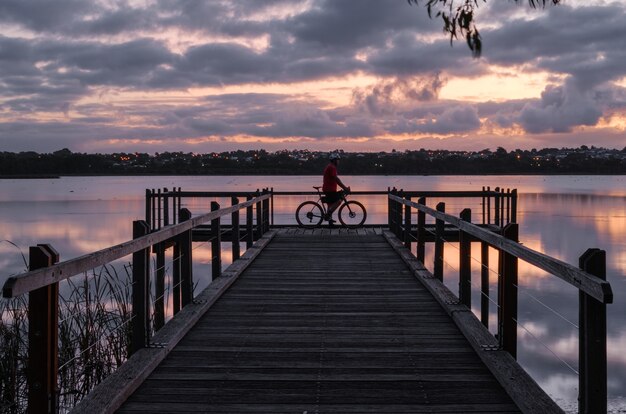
(152,223)
(508,205)
(398,216)
(484,284)
(159,287)
(186,260)
(395,226)
(259,217)
(502,197)
(496,202)
(249,224)
(43,332)
(266,212)
(272,205)
(159,208)
(488,205)
(166,207)
(407,224)
(235,230)
(216,244)
(176,271)
(148,206)
(389,208)
(483,204)
(592,378)
(507,334)
(465,262)
(439,228)
(514,206)
(421,231)
(141,294)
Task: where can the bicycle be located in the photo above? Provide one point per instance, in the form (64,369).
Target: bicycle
(310,214)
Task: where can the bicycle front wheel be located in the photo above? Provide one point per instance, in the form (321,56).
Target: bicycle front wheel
(352,214)
(309,214)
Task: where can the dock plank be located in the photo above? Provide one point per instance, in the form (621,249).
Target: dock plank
(323,322)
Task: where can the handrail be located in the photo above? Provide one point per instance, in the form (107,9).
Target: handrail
(592,285)
(450,194)
(29,281)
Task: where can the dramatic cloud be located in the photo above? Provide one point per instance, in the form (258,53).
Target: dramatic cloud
(201,75)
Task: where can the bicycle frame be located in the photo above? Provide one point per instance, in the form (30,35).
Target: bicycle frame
(311,218)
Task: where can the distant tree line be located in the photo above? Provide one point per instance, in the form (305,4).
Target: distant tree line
(581,160)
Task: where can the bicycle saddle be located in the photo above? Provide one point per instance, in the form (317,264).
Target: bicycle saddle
(317,188)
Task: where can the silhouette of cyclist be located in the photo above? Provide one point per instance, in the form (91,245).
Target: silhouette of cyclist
(329,187)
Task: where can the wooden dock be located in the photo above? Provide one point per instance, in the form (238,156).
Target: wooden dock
(316,321)
(321,322)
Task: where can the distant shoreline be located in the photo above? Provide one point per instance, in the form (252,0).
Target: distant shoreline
(285,174)
(28,177)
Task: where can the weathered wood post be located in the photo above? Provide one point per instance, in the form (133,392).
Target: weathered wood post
(502,197)
(407,224)
(141,293)
(166,207)
(272,204)
(216,244)
(439,228)
(483,204)
(421,231)
(148,206)
(259,217)
(235,230)
(484,284)
(43,333)
(159,201)
(176,271)
(186,260)
(159,286)
(152,209)
(514,206)
(592,378)
(249,224)
(266,213)
(496,202)
(176,204)
(395,206)
(507,334)
(389,208)
(508,205)
(465,262)
(488,205)
(398,216)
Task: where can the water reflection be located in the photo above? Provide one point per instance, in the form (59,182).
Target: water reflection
(559,216)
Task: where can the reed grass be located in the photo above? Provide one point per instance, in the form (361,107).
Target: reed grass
(94,337)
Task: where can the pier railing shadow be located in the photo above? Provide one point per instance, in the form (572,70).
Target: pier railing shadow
(589,279)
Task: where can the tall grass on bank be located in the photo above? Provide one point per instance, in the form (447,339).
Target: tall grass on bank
(94,337)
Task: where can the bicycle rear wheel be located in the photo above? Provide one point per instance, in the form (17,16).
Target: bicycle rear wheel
(352,214)
(309,214)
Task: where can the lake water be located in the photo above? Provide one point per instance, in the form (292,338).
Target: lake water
(560,216)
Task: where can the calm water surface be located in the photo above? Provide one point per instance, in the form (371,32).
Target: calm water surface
(560,216)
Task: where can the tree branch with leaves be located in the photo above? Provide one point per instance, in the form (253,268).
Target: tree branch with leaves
(458,18)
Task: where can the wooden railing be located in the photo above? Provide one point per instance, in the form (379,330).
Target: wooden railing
(498,206)
(589,278)
(42,284)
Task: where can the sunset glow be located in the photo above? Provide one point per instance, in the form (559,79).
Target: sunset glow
(149,75)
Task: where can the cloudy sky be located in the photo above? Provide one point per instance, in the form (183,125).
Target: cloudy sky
(362,75)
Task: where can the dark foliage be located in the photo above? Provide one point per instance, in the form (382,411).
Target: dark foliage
(583,160)
(458,18)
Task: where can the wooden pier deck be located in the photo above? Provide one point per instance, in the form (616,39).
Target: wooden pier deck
(323,323)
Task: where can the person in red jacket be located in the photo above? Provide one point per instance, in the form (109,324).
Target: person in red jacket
(329,187)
